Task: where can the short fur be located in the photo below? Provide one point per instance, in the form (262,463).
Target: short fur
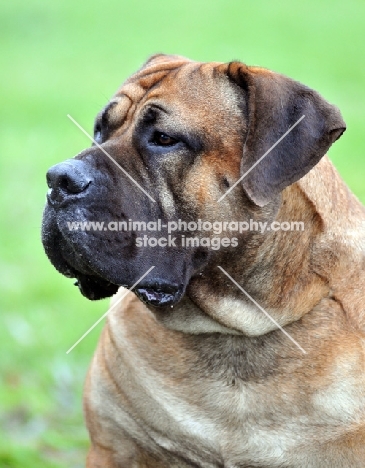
(211,382)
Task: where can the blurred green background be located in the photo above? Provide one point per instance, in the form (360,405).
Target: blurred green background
(65,57)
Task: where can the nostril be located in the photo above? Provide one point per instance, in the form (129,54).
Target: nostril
(73,185)
(64,183)
(49,180)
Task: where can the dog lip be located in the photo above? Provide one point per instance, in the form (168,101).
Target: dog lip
(159,295)
(94,287)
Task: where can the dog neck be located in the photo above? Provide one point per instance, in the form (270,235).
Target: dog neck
(340,245)
(290,272)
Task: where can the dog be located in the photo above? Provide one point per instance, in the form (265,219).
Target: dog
(246,354)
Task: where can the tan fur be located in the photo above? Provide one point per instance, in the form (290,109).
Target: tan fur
(207,385)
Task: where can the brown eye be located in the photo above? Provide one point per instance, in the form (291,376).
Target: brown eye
(161,139)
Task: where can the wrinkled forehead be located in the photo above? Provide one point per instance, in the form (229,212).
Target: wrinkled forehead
(192,89)
(151,75)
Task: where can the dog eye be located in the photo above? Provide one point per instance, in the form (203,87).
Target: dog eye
(162,139)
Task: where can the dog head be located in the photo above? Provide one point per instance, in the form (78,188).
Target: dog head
(168,146)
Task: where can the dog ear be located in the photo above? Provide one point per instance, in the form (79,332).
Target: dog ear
(275,103)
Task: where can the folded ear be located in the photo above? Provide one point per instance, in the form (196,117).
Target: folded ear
(276,103)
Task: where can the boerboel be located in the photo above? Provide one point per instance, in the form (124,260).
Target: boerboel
(189,370)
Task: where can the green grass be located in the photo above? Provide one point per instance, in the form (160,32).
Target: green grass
(65,57)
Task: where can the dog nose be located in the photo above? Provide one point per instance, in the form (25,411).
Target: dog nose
(67,179)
